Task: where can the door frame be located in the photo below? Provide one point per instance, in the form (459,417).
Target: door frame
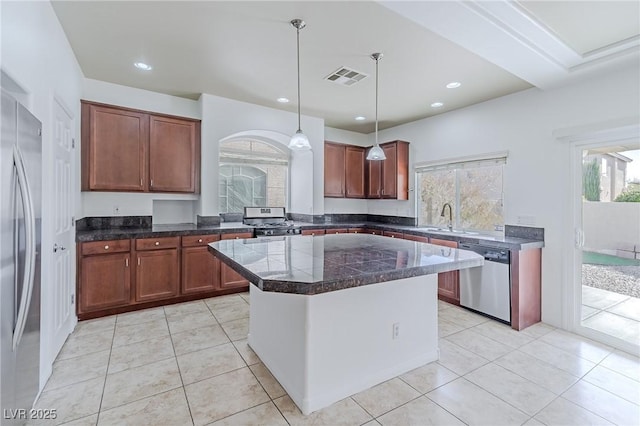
(599,135)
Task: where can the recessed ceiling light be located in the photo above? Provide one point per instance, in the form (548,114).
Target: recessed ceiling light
(283,100)
(143,66)
(360,118)
(437,105)
(454,85)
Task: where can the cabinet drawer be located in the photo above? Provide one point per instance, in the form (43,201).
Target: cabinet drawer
(446,243)
(157,243)
(357,230)
(313,232)
(239,235)
(337,231)
(102,247)
(199,240)
(393,234)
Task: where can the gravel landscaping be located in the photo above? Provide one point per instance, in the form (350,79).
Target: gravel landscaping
(618,279)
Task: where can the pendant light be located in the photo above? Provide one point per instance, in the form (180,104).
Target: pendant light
(376,153)
(299,141)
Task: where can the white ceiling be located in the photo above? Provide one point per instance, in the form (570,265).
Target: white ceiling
(246,50)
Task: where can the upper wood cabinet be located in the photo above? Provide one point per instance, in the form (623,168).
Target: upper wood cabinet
(114,149)
(173,153)
(354,171)
(334,169)
(131,150)
(390,178)
(344,170)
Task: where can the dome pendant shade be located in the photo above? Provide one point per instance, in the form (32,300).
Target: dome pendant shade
(299,141)
(376,153)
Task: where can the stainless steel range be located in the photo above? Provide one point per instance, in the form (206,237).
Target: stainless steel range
(269,221)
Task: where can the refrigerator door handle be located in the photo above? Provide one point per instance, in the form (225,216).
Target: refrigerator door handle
(30,246)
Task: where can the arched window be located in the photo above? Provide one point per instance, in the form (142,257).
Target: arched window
(252,173)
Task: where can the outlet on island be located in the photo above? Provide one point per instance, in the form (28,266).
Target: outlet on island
(396,330)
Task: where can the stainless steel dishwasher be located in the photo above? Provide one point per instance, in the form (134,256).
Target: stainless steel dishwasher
(487,289)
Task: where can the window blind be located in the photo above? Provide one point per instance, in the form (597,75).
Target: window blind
(462,163)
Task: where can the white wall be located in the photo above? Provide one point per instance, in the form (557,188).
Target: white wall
(537,173)
(222,117)
(37,56)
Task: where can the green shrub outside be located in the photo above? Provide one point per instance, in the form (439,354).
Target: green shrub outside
(629,196)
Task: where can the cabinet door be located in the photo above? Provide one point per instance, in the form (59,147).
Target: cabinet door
(389,177)
(200,270)
(374,172)
(173,155)
(230,278)
(115,157)
(334,169)
(157,274)
(448,282)
(104,281)
(354,172)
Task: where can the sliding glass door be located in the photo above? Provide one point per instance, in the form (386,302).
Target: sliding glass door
(607,243)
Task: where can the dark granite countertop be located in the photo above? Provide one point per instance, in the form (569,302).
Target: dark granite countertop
(498,241)
(505,242)
(312,265)
(173,230)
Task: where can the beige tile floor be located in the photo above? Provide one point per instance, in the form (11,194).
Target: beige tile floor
(190,364)
(615,314)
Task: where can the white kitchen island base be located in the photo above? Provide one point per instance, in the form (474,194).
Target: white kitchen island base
(325,347)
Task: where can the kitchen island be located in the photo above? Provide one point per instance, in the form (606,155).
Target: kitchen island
(331,316)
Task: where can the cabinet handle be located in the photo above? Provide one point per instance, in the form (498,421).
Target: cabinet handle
(237,238)
(140,182)
(151,182)
(157,243)
(126,262)
(138,261)
(106,247)
(200,240)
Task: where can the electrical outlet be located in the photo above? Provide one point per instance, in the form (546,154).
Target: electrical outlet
(396,330)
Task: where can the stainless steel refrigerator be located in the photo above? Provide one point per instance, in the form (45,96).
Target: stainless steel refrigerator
(20,236)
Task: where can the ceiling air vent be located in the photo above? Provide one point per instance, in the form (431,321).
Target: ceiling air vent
(346,76)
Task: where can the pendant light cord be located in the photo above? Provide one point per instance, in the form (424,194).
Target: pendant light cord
(298,52)
(377,100)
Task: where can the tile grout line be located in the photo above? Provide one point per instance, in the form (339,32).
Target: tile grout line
(106,373)
(184,390)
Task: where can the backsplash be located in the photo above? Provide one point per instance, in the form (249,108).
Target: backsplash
(527,232)
(110,222)
(352,218)
(208,220)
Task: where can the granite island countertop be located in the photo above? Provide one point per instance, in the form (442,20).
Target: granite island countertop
(311,265)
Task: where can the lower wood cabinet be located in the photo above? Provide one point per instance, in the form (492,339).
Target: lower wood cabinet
(200,269)
(448,282)
(105,281)
(228,277)
(157,274)
(122,275)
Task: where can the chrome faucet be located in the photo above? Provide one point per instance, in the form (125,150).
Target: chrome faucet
(450,225)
